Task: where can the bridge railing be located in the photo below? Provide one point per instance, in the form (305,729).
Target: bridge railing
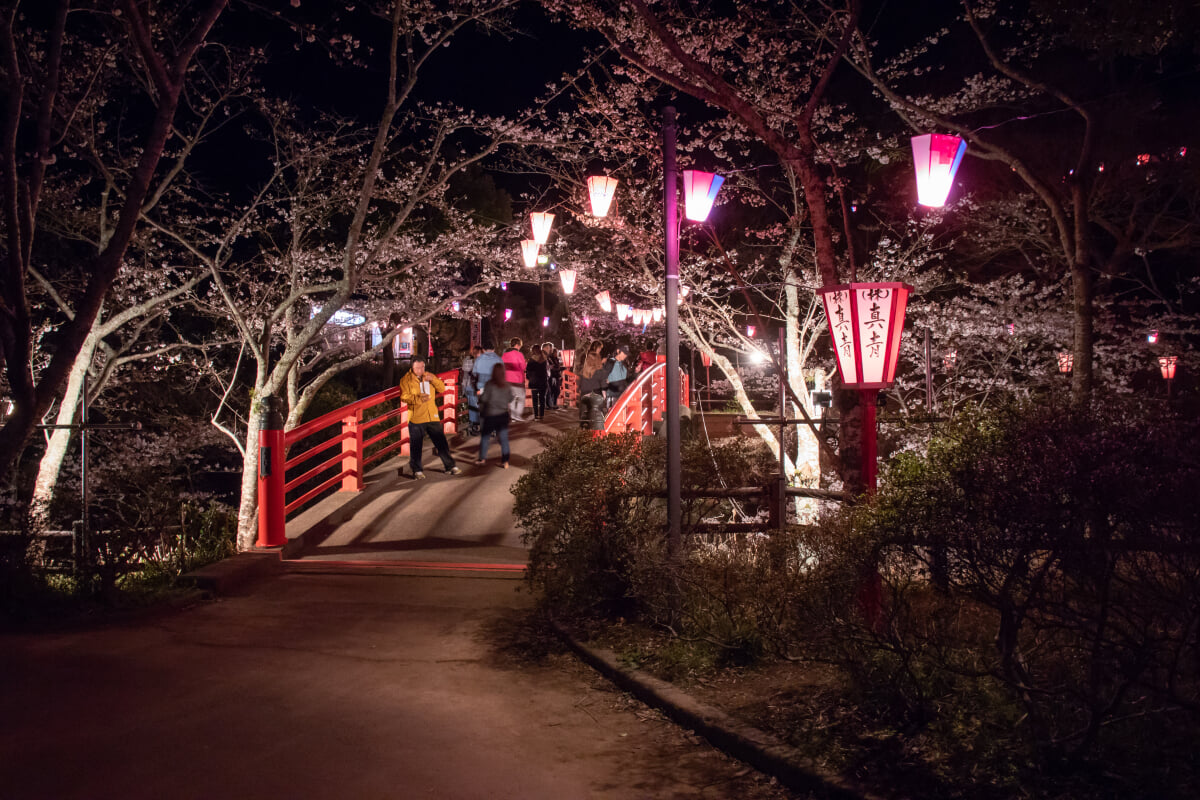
(644,402)
(363,432)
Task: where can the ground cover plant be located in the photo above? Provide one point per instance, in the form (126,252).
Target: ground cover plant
(1041,601)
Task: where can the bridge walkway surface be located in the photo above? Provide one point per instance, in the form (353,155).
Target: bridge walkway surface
(457,522)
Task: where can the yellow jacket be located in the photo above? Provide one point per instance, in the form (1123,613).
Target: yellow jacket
(410,392)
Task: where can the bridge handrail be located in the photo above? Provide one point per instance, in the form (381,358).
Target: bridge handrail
(352,459)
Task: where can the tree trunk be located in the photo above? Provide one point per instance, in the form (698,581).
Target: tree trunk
(850,440)
(247,530)
(60,438)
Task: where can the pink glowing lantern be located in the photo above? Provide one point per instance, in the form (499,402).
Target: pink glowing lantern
(1066,362)
(1152,337)
(865,322)
(1167,365)
(529,252)
(567,357)
(699,193)
(936,157)
(706,360)
(587,323)
(545,322)
(750,331)
(507,314)
(456,307)
(605,301)
(601,190)
(567,276)
(949,360)
(658,315)
(541,221)
(622,311)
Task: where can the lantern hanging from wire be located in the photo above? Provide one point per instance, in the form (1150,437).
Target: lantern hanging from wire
(507,314)
(605,301)
(936,157)
(1152,337)
(622,311)
(456,306)
(545,322)
(601,190)
(949,360)
(587,323)
(699,193)
(749,331)
(567,276)
(529,252)
(1066,362)
(658,314)
(1167,365)
(541,221)
(865,323)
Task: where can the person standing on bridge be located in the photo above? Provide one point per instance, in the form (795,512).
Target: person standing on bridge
(418,389)
(514,363)
(494,405)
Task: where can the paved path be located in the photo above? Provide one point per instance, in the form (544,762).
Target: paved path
(465,518)
(332,686)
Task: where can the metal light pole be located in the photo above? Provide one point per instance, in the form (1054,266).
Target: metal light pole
(671,228)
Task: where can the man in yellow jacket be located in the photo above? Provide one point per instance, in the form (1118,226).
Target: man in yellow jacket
(418,390)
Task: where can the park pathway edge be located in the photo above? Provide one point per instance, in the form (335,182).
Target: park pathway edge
(744,742)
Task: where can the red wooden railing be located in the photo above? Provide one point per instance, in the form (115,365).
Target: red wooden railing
(644,402)
(361,441)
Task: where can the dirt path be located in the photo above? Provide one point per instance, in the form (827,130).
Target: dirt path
(338,686)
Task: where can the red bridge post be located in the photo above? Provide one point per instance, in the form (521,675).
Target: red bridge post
(271,531)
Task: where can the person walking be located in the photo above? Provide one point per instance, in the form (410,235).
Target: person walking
(418,389)
(468,387)
(555,369)
(514,365)
(485,362)
(537,374)
(494,405)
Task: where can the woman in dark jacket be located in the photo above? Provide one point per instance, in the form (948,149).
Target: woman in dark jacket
(592,381)
(537,373)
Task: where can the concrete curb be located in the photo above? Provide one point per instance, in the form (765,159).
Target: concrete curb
(233,573)
(755,747)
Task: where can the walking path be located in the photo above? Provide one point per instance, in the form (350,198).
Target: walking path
(333,686)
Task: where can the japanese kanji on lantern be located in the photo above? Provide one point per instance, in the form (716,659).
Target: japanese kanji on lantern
(865,323)
(936,157)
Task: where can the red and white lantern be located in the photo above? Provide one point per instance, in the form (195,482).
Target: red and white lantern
(865,323)
(605,301)
(567,276)
(529,252)
(936,157)
(699,193)
(1167,365)
(749,331)
(601,190)
(541,221)
(567,357)
(1152,337)
(623,311)
(507,314)
(1066,362)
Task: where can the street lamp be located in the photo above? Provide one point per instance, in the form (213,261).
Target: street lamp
(866,321)
(700,190)
(1167,365)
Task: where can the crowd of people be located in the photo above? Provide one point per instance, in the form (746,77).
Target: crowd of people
(494,385)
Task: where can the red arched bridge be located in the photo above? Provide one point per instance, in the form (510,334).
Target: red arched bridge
(330,489)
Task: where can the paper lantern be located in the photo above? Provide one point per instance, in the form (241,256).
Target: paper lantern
(601,190)
(587,323)
(622,311)
(545,322)
(1065,362)
(1167,365)
(865,323)
(950,359)
(658,314)
(567,276)
(936,157)
(504,286)
(507,314)
(541,221)
(567,357)
(750,331)
(456,306)
(529,252)
(605,301)
(699,192)
(706,359)
(1152,337)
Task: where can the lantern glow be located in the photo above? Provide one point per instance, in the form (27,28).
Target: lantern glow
(865,323)
(622,311)
(936,157)
(706,359)
(567,276)
(605,301)
(541,221)
(1152,337)
(750,331)
(601,190)
(529,252)
(456,307)
(658,314)
(507,314)
(699,193)
(1167,365)
(545,322)
(1066,362)
(587,323)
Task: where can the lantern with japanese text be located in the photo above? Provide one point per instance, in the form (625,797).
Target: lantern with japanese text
(1167,365)
(865,322)
(605,301)
(567,276)
(699,193)
(936,157)
(567,357)
(1066,362)
(541,221)
(529,252)
(601,190)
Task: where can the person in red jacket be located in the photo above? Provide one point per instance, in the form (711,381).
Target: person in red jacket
(514,369)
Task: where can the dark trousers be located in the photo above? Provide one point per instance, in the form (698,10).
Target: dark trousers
(552,392)
(539,401)
(416,443)
(591,412)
